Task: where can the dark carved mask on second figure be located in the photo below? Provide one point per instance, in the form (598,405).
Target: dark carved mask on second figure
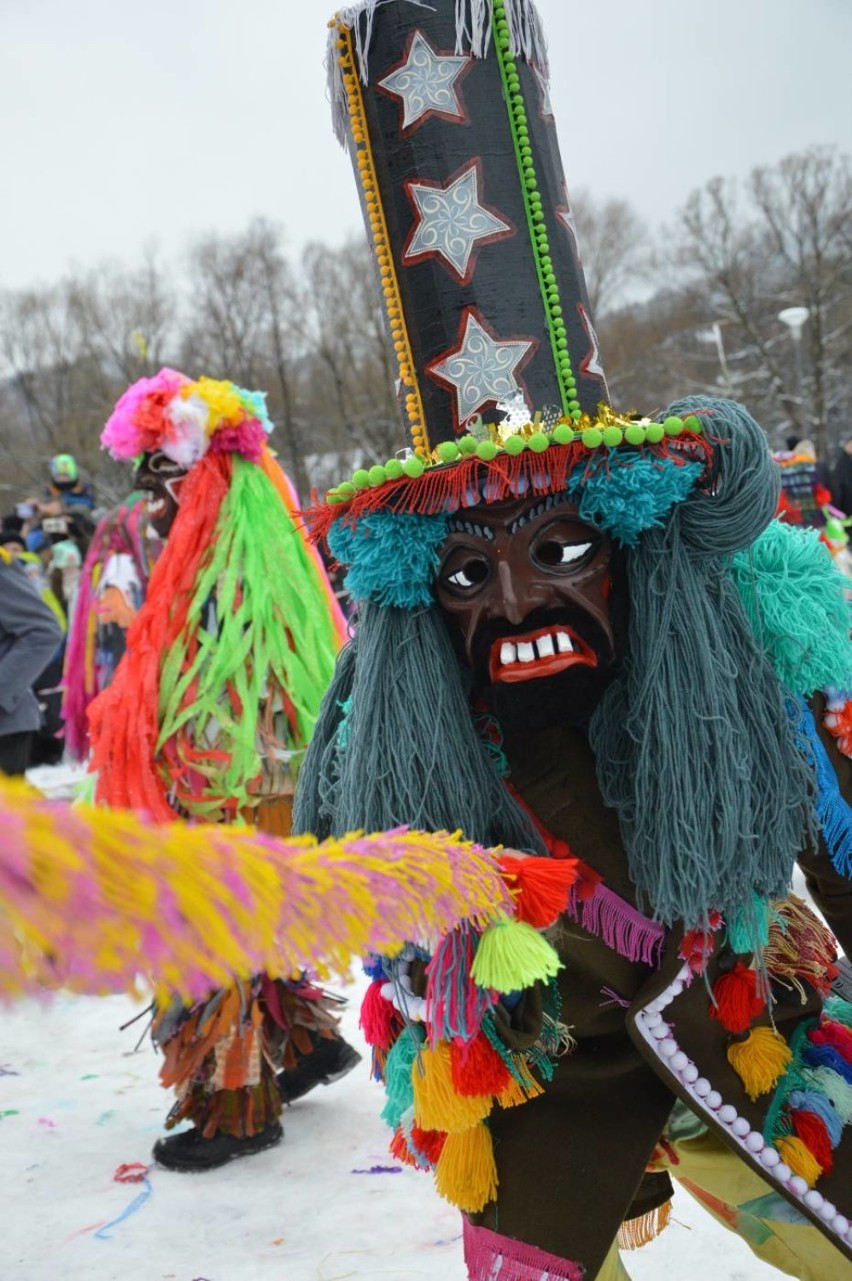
(525,587)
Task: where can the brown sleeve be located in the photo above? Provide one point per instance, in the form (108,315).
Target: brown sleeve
(831,892)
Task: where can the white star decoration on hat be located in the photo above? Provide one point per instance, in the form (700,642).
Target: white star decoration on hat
(565,214)
(591,363)
(426,82)
(452,222)
(481,369)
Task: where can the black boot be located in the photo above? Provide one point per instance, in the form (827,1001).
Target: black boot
(329,1061)
(190,1153)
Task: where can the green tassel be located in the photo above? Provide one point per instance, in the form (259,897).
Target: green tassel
(512,955)
(398,1087)
(839,1010)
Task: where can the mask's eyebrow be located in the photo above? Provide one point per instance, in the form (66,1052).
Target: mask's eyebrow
(457,525)
(546,504)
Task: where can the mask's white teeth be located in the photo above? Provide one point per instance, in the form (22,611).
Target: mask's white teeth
(155,506)
(563,643)
(526,652)
(544,644)
(507,653)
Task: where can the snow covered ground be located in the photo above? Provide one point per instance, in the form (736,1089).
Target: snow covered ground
(77,1102)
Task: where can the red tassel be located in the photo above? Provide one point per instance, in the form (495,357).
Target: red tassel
(477,1068)
(835,1035)
(428,1143)
(541,886)
(811,1129)
(736,1003)
(399,1148)
(378,1019)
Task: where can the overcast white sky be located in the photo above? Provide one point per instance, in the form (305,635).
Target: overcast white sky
(125,123)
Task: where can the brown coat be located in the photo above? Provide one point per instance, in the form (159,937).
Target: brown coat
(571,1162)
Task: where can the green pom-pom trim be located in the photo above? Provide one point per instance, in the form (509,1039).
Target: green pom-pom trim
(538,442)
(413,467)
(394,469)
(345,489)
(468,444)
(592,437)
(673,426)
(486,450)
(693,423)
(612,436)
(361,478)
(514,445)
(333,496)
(377,475)
(654,433)
(448,451)
(563,433)
(635,434)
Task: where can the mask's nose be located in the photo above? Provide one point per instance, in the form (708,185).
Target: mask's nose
(513,604)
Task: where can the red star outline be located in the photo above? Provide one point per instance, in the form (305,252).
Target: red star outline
(490,239)
(593,354)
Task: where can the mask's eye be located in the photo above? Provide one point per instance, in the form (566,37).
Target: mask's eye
(554,553)
(565,546)
(464,573)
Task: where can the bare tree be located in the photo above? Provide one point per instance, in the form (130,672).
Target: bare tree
(752,249)
(614,245)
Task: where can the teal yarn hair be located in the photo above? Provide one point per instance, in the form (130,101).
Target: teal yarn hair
(393,556)
(408,699)
(694,746)
(625,494)
(794,596)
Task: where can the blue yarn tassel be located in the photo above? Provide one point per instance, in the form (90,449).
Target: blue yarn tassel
(833,811)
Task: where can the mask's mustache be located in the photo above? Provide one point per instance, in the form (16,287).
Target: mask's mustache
(579,620)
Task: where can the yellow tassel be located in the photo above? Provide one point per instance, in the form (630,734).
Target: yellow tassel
(760,1060)
(466,1173)
(799,1158)
(634,1233)
(517,1092)
(436,1104)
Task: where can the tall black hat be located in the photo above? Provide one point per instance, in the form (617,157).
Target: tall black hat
(445,109)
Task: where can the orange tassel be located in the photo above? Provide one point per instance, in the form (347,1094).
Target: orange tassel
(466,1173)
(517,1092)
(540,886)
(799,1158)
(760,1060)
(437,1106)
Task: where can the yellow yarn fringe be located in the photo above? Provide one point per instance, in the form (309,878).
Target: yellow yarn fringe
(634,1233)
(91,898)
(466,1173)
(760,1060)
(799,1158)
(437,1106)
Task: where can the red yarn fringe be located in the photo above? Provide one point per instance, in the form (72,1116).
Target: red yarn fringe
(123,720)
(477,1068)
(811,1129)
(470,481)
(378,1019)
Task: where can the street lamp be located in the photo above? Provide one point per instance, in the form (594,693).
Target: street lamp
(794,318)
